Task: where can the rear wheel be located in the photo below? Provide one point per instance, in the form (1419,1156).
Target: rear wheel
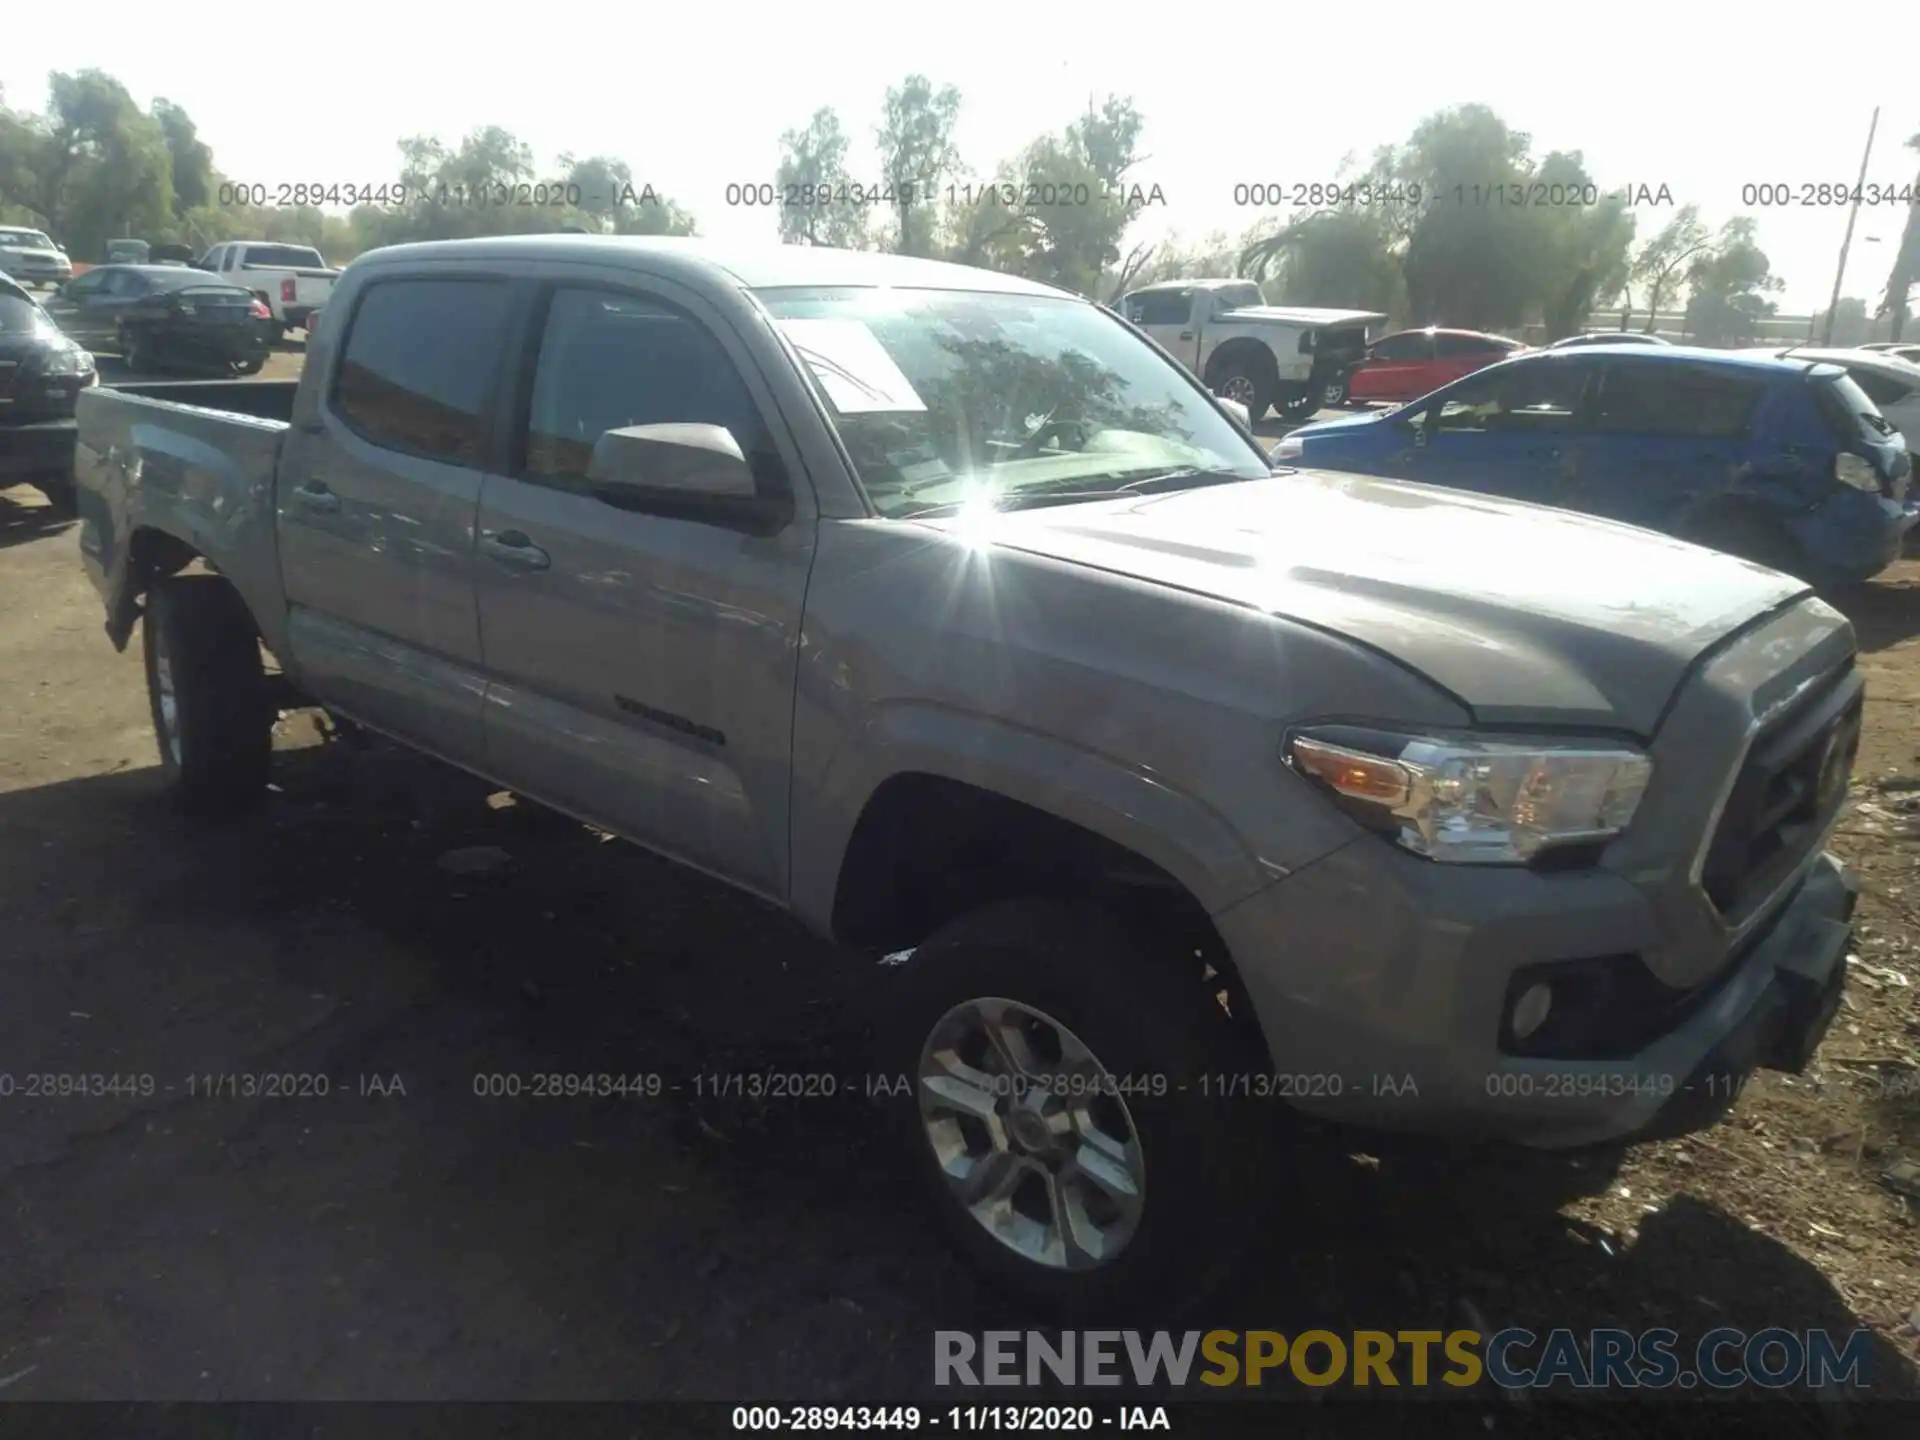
(212,715)
(250,367)
(1246,381)
(1301,406)
(1059,1127)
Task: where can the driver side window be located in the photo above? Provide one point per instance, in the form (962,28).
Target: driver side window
(1536,399)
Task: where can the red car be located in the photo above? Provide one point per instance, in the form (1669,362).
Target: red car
(1410,363)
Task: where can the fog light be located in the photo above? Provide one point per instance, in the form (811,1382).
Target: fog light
(1531,1009)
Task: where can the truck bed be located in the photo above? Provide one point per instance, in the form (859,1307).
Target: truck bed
(193,460)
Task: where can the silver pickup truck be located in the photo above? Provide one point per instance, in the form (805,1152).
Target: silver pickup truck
(942,609)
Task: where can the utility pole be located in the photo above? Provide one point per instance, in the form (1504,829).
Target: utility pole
(1853,213)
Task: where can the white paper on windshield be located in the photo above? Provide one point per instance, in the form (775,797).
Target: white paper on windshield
(852,366)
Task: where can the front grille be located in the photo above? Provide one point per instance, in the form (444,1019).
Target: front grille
(1788,791)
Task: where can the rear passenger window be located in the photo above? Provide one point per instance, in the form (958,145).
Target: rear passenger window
(1161,307)
(608,361)
(1881,389)
(419,363)
(1663,399)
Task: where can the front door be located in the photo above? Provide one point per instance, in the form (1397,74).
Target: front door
(1511,432)
(377,505)
(641,664)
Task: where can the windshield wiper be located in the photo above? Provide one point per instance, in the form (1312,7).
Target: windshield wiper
(1077,489)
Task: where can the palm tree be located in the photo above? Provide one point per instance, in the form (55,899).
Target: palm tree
(1906,264)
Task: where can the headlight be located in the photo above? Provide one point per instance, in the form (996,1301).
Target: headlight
(1472,801)
(71,361)
(1289,448)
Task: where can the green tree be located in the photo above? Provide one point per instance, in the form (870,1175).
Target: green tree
(1905,273)
(1340,257)
(1660,267)
(192,174)
(1729,284)
(917,155)
(1584,247)
(813,161)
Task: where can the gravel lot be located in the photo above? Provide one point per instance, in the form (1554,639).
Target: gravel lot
(402,1237)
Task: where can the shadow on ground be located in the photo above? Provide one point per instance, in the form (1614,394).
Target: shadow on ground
(25,517)
(408,1234)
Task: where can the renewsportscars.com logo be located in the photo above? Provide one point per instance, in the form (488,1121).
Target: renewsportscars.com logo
(1513,1359)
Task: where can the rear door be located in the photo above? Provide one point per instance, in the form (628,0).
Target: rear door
(95,310)
(1512,432)
(1394,368)
(641,663)
(378,501)
(1665,435)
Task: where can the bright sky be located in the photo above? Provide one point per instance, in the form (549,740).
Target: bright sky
(1700,98)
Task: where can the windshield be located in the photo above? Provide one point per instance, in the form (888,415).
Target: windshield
(20,315)
(1237,297)
(945,398)
(286,257)
(25,240)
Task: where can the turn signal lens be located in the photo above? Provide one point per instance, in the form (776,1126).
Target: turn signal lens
(1354,773)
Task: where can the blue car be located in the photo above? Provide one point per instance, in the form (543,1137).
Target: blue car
(1786,463)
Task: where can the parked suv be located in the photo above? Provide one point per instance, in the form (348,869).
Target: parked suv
(1784,462)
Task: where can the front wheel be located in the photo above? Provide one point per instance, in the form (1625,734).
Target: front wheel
(1060,1124)
(1298,407)
(250,367)
(206,689)
(1242,381)
(136,353)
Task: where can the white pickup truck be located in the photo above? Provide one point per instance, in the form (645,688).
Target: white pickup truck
(1263,356)
(294,280)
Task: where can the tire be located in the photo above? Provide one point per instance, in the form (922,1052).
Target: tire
(62,498)
(1248,382)
(1141,1014)
(216,745)
(1334,395)
(250,367)
(135,353)
(1296,408)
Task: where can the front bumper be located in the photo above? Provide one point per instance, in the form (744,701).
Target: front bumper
(1430,1060)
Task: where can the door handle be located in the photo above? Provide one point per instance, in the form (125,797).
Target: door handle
(1186,334)
(315,496)
(511,547)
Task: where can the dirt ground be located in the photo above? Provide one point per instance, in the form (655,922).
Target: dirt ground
(404,1237)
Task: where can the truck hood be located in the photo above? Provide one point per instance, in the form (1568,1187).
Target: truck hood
(1297,315)
(52,257)
(1526,615)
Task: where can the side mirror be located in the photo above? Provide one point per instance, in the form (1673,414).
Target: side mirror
(690,472)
